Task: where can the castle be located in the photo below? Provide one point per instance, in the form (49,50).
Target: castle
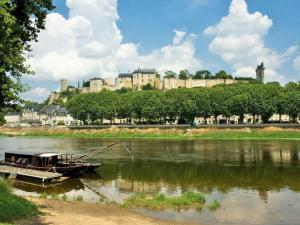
(141,77)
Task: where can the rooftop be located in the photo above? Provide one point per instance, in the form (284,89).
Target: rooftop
(124,75)
(34,153)
(145,71)
(13,114)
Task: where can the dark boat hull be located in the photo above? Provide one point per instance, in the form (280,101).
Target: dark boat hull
(65,170)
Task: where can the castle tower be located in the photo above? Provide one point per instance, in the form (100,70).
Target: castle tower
(63,85)
(260,72)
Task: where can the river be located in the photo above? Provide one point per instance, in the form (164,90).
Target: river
(256,182)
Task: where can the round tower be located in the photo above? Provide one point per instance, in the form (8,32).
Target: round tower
(63,85)
(260,73)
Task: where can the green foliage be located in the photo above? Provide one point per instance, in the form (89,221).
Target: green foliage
(170,74)
(202,74)
(214,205)
(123,90)
(222,75)
(156,201)
(155,106)
(64,197)
(86,83)
(77,198)
(2,120)
(54,196)
(13,207)
(148,87)
(20,23)
(184,75)
(43,195)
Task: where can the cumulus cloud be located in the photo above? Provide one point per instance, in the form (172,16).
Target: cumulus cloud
(239,41)
(39,94)
(297,64)
(89,43)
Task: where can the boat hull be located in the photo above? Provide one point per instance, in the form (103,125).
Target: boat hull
(65,170)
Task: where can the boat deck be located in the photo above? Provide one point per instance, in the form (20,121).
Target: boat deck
(29,173)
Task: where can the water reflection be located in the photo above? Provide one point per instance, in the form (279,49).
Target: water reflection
(258,178)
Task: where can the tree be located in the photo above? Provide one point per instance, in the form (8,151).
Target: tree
(169,110)
(108,104)
(201,74)
(147,105)
(222,75)
(293,105)
(184,75)
(123,90)
(125,109)
(20,23)
(2,120)
(84,107)
(148,87)
(238,105)
(203,103)
(170,74)
(219,97)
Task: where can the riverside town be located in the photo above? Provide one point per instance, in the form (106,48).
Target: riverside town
(128,112)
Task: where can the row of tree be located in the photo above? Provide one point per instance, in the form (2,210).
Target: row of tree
(154,106)
(201,74)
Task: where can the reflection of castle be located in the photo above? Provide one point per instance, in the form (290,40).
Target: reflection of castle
(136,80)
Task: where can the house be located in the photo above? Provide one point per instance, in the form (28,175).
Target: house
(55,115)
(13,118)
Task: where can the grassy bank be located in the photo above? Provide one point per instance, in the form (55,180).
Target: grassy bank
(161,201)
(13,207)
(180,134)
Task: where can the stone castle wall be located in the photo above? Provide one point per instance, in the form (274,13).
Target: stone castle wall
(137,80)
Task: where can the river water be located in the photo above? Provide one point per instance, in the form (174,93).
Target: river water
(256,182)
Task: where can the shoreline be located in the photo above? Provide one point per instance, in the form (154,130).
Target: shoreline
(59,212)
(267,133)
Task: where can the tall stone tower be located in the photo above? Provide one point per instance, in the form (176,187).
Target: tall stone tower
(63,85)
(260,72)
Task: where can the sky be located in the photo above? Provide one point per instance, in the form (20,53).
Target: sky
(99,38)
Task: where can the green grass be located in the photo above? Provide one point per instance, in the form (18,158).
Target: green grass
(43,195)
(64,197)
(256,134)
(54,196)
(160,201)
(13,207)
(77,198)
(214,205)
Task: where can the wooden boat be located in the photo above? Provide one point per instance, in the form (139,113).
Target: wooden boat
(64,164)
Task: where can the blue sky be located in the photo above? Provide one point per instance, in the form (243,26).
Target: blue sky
(149,24)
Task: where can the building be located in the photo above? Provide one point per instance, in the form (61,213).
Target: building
(260,73)
(63,85)
(54,115)
(51,115)
(135,81)
(13,118)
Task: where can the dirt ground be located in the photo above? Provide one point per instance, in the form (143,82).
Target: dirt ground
(80,213)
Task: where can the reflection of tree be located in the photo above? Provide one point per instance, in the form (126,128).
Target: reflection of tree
(294,152)
(206,176)
(263,194)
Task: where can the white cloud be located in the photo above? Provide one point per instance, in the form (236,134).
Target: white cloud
(239,41)
(89,43)
(297,64)
(37,94)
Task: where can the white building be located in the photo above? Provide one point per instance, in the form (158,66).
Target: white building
(13,118)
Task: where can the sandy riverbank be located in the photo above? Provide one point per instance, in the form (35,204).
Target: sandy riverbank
(69,213)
